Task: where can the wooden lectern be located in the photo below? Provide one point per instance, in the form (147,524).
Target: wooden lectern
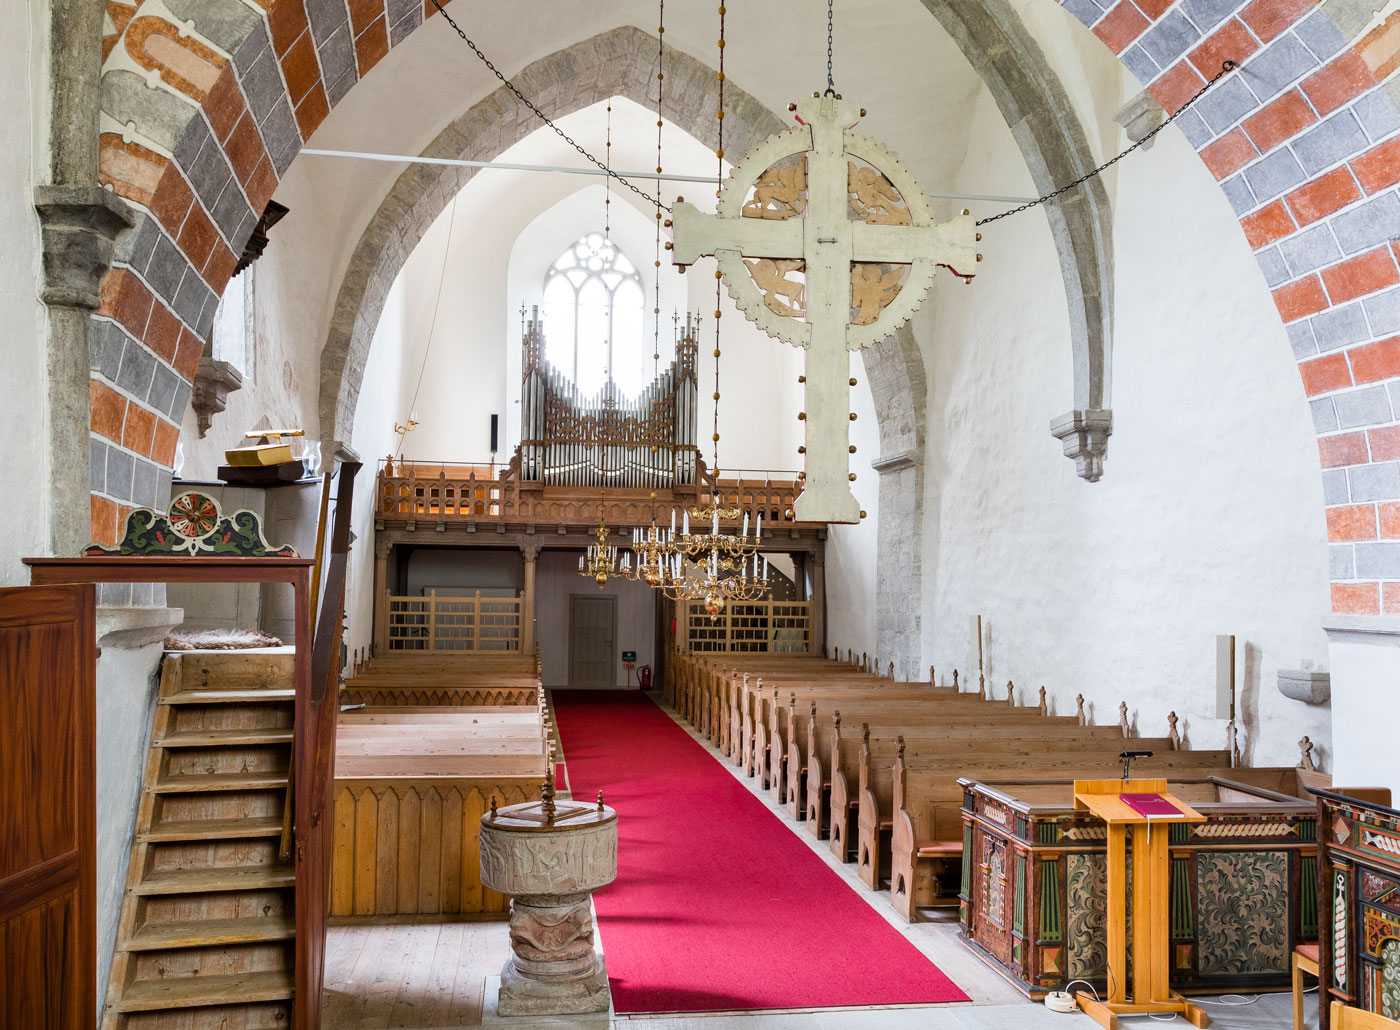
(1151,934)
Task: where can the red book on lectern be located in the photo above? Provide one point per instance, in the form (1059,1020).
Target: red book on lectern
(1153,806)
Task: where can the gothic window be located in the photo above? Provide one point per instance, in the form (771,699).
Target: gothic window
(594,330)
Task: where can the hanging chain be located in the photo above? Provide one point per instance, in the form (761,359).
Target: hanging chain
(537,112)
(830,83)
(719,154)
(660,89)
(607,182)
(1225,68)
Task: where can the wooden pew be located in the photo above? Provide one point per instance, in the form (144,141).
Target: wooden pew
(925,802)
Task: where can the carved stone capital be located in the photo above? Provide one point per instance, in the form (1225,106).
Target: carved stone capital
(80,226)
(897,462)
(213,382)
(530,551)
(1084,435)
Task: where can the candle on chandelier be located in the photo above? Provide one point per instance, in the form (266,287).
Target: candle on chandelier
(758,529)
(673,520)
(715,527)
(745,531)
(685,522)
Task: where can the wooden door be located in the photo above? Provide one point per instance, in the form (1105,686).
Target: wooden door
(592,636)
(48,810)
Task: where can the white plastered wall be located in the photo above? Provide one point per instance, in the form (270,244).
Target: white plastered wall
(24,508)
(1208,518)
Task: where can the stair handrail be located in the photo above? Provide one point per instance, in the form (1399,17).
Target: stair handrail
(314,763)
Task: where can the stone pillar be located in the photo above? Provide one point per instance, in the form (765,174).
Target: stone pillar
(550,858)
(80,226)
(899,535)
(381,597)
(817,628)
(527,601)
(80,223)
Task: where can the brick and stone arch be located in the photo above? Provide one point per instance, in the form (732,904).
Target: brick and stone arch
(199,124)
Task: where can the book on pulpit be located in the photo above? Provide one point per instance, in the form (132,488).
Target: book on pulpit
(1151,806)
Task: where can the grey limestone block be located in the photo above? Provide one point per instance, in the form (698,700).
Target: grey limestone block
(1310,686)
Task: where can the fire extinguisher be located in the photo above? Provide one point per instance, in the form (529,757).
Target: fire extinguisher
(644,677)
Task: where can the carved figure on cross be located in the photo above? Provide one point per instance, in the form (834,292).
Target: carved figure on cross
(862,231)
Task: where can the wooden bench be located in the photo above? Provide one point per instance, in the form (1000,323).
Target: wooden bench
(418,680)
(411,786)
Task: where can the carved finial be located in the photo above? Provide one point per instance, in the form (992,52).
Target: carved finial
(1079,711)
(493,807)
(955,680)
(891,670)
(547,791)
(1306,747)
(1123,718)
(836,720)
(865,733)
(1172,735)
(981,687)
(850,657)
(932,679)
(600,801)
(900,752)
(864,662)
(1044,708)
(814,709)
(1010,694)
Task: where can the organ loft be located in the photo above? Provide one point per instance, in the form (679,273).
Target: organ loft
(548,514)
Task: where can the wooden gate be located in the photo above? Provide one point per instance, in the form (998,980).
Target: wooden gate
(48,808)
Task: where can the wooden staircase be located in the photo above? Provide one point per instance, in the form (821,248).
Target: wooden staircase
(206,936)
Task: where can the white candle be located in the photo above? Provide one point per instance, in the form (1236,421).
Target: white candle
(673,520)
(745,531)
(758,529)
(685,522)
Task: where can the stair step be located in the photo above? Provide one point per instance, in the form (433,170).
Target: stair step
(220,782)
(227,697)
(233,878)
(185,992)
(225,738)
(211,933)
(213,829)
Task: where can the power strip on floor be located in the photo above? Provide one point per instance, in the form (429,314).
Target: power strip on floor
(1061,1001)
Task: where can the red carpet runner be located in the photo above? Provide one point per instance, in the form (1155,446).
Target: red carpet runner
(717,905)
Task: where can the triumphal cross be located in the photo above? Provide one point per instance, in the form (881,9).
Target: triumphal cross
(827,242)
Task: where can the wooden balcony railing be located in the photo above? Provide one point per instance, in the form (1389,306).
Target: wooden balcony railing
(443,492)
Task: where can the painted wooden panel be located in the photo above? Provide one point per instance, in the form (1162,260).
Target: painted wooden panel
(414,847)
(48,815)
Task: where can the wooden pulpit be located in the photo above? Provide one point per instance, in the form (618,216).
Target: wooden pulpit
(1145,807)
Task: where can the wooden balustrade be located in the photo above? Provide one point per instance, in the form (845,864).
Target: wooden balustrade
(771,627)
(469,493)
(470,623)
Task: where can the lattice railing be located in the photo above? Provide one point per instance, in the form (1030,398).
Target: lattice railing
(436,622)
(487,493)
(774,627)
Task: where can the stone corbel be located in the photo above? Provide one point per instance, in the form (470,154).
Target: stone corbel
(897,462)
(80,226)
(1141,116)
(1084,435)
(213,382)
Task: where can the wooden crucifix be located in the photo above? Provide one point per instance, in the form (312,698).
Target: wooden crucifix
(839,208)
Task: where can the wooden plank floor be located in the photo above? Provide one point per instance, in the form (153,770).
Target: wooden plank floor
(419,975)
